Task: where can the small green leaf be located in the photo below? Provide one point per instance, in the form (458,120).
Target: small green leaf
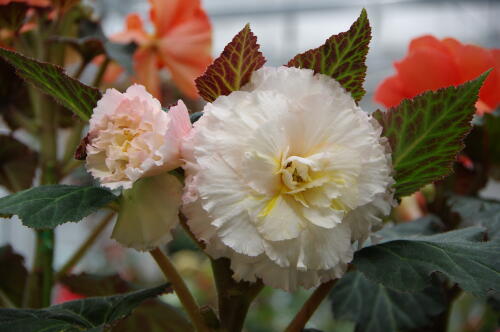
(478,212)
(376,308)
(49,206)
(427,132)
(50,79)
(91,314)
(233,68)
(406,265)
(341,57)
(13,276)
(17,164)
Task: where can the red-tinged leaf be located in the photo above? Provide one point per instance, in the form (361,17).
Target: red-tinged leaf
(341,57)
(233,68)
(426,133)
(51,79)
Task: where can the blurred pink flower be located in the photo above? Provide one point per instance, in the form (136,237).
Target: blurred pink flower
(131,137)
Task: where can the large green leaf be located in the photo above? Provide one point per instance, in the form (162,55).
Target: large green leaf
(427,225)
(13,276)
(49,206)
(152,315)
(479,212)
(91,314)
(341,57)
(406,265)
(233,68)
(427,132)
(376,308)
(51,79)
(17,164)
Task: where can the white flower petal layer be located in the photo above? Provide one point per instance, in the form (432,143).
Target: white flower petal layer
(286,178)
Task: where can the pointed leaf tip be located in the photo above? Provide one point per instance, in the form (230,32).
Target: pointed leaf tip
(233,68)
(341,57)
(427,132)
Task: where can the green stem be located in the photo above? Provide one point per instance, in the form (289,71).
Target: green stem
(180,288)
(234,298)
(302,317)
(85,246)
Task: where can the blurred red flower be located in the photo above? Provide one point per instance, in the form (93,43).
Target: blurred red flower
(181,42)
(64,294)
(432,64)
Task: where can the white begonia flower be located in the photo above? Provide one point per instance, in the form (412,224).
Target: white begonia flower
(286,178)
(133,143)
(131,137)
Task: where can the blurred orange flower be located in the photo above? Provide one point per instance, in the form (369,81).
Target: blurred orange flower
(181,42)
(432,64)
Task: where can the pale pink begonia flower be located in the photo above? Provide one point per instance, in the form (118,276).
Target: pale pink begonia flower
(131,137)
(133,144)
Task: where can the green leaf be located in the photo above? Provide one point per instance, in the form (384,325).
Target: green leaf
(51,79)
(376,308)
(406,265)
(152,315)
(49,206)
(427,132)
(17,164)
(427,225)
(233,68)
(478,212)
(341,57)
(13,276)
(90,314)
